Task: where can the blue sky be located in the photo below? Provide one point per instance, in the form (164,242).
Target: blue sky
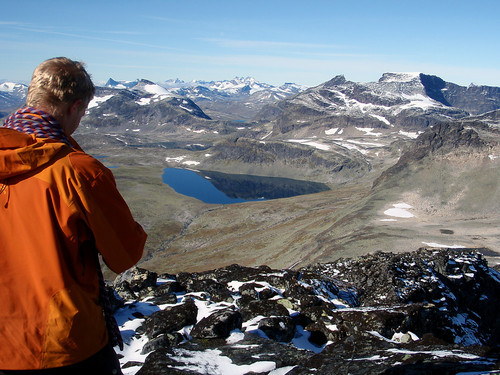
(274,41)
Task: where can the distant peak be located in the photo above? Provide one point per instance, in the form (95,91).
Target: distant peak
(121,84)
(337,80)
(399,77)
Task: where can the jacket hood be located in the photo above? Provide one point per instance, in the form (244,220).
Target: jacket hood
(21,153)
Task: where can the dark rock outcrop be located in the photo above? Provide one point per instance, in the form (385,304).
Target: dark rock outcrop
(431,311)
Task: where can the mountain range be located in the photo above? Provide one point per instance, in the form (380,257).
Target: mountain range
(12,94)
(409,138)
(409,162)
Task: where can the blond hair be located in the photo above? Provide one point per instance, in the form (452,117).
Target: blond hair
(57,83)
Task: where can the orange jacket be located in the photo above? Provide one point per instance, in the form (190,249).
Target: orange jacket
(58,207)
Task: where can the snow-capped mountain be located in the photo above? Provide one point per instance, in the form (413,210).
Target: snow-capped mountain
(236,99)
(212,90)
(13,87)
(12,95)
(412,101)
(121,84)
(144,105)
(239,86)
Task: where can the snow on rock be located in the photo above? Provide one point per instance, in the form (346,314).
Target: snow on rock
(434,308)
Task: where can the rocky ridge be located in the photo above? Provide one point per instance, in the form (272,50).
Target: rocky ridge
(430,311)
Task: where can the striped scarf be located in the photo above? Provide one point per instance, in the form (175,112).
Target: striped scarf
(37,122)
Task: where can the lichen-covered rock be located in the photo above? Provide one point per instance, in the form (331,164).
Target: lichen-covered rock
(134,283)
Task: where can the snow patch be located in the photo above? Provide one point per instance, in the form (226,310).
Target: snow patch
(419,101)
(98,100)
(331,131)
(176,159)
(370,144)
(412,135)
(308,142)
(369,131)
(156,90)
(144,101)
(399,210)
(433,244)
(381,118)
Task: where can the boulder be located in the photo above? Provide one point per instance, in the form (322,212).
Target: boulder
(217,325)
(170,320)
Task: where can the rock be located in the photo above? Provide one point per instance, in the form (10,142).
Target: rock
(285,303)
(160,362)
(131,283)
(215,290)
(249,290)
(430,311)
(280,329)
(165,293)
(269,308)
(170,320)
(163,341)
(217,325)
(321,334)
(254,348)
(164,299)
(317,313)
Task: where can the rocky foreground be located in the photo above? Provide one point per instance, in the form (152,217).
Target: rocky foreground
(433,311)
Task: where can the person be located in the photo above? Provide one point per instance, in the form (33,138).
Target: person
(59,209)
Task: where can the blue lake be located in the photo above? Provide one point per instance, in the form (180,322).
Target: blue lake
(223,188)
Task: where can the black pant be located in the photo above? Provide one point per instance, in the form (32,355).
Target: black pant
(104,362)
